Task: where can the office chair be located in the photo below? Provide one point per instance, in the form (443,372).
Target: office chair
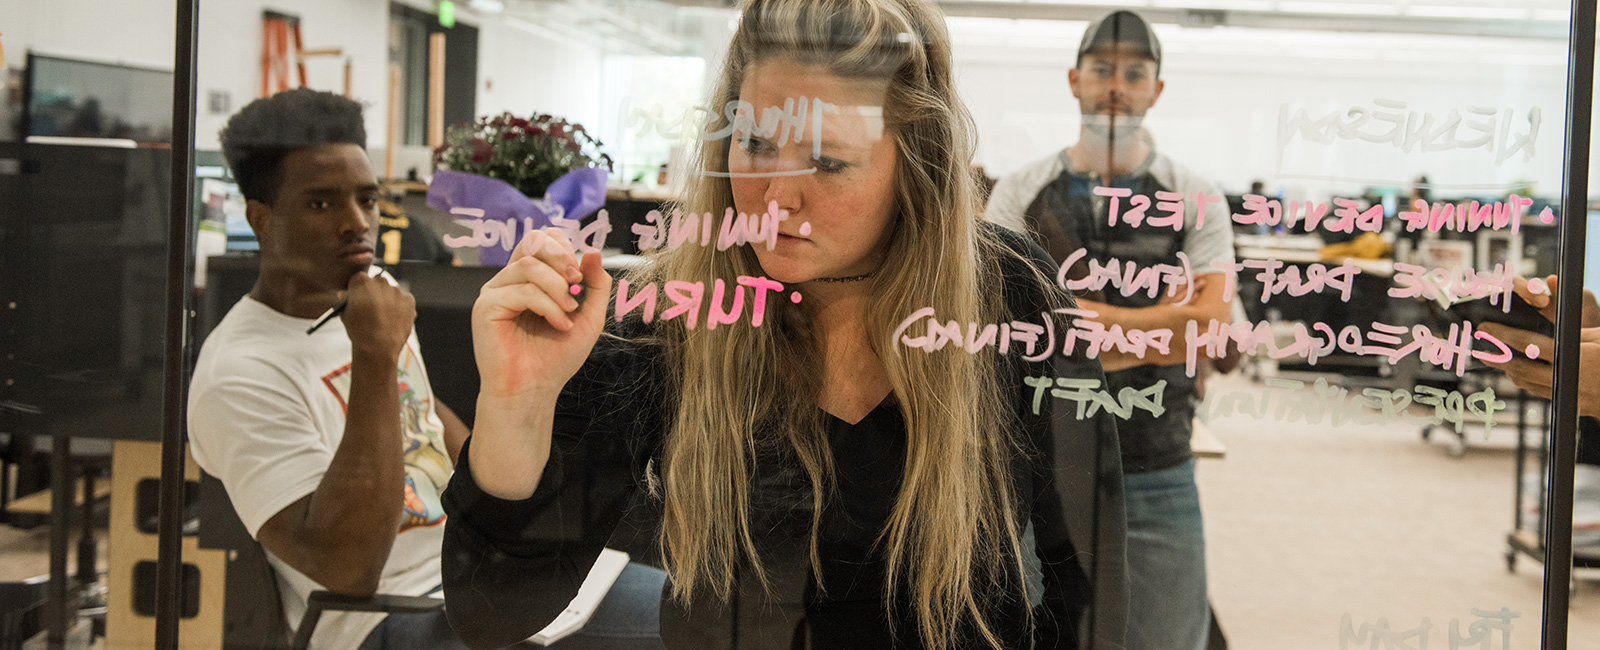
(252,608)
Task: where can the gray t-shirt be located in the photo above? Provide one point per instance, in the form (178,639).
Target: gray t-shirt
(1204,245)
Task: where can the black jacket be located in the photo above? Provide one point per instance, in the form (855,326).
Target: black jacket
(511,567)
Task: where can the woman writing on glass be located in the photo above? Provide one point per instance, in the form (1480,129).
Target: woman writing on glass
(816,476)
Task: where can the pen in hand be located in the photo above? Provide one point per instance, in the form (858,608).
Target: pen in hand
(372,272)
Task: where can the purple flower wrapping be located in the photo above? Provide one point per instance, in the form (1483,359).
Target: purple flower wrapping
(500,215)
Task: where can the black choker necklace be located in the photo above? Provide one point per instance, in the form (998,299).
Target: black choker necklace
(853,278)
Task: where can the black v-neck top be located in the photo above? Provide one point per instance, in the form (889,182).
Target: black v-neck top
(511,566)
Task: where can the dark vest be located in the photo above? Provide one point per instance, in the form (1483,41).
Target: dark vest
(1066,216)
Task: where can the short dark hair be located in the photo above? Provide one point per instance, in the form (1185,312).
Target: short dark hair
(267,130)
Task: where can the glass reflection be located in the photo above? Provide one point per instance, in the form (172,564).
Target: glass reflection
(805,479)
(1069,202)
(778,220)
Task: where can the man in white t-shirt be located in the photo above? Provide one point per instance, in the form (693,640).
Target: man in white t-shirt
(331,465)
(1065,202)
(328,439)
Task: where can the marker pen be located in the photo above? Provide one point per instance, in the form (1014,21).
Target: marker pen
(373,271)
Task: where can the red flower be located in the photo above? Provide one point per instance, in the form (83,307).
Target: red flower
(556,131)
(572,145)
(519,123)
(482,151)
(536,131)
(510,135)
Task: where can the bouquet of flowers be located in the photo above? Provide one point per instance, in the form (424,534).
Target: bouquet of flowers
(504,176)
(529,154)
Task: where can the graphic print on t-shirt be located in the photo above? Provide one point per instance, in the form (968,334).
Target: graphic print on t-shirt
(427,464)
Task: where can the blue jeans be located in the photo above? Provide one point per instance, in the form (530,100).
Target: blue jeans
(1167,608)
(628,618)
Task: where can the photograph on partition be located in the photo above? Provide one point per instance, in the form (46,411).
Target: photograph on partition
(754,324)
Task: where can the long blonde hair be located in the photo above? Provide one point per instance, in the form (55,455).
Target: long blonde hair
(742,390)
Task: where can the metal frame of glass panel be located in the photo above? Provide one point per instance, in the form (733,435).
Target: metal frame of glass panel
(1559,501)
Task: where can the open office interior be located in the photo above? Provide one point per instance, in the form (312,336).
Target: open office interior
(1373,171)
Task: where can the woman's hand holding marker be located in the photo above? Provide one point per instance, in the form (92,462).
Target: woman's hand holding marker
(530,335)
(530,332)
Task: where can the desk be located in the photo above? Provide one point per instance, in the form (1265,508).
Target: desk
(39,503)
(1205,444)
(615,261)
(1297,255)
(406,185)
(1368,300)
(638,192)
(1302,249)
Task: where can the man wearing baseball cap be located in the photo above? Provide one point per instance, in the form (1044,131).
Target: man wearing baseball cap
(1116,80)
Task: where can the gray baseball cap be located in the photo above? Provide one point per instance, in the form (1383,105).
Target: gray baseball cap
(1121,27)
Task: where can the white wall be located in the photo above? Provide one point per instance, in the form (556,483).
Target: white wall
(1224,88)
(1219,113)
(517,71)
(229,58)
(140,32)
(132,32)
(524,69)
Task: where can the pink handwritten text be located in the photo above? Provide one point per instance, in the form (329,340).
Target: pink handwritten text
(1128,277)
(688,299)
(1168,210)
(735,230)
(1452,351)
(1276,278)
(1454,283)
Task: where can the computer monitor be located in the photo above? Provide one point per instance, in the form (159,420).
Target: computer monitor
(88,99)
